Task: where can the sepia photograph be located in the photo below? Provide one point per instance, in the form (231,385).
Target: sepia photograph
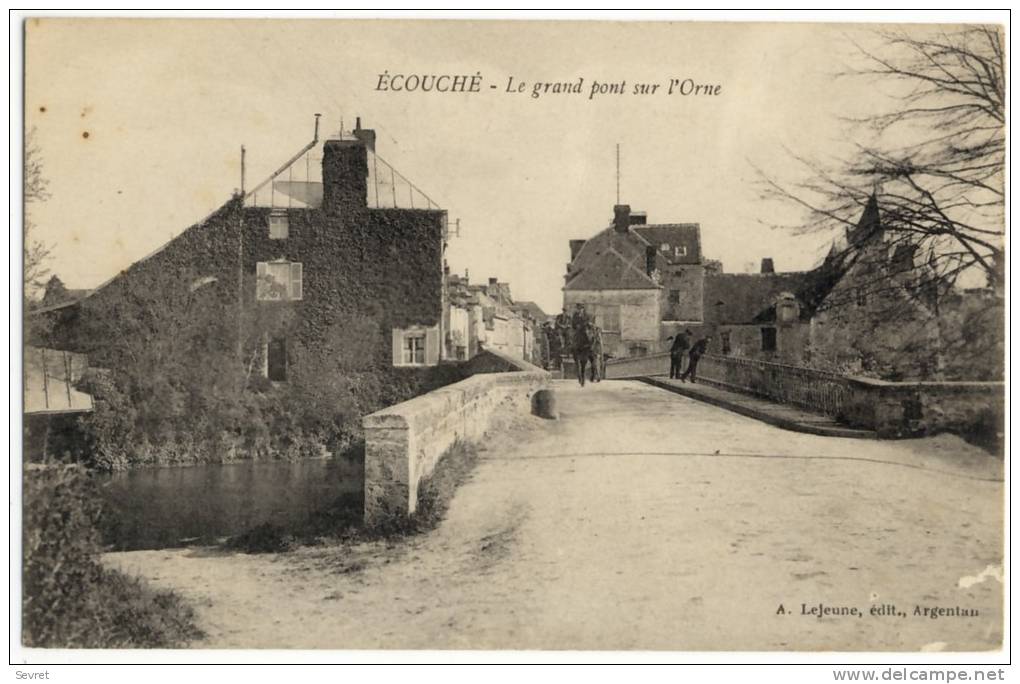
(502,335)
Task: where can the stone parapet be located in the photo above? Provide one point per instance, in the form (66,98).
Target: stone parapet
(403,443)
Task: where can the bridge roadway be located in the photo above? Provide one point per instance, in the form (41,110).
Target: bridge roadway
(643,520)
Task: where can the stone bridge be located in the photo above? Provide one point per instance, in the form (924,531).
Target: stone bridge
(641,519)
(405,442)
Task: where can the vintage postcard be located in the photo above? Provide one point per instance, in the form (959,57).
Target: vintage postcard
(513,335)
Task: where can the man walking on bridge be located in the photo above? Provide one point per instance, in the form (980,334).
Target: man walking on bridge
(676,353)
(697,351)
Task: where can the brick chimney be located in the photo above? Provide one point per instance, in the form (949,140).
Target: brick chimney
(767,266)
(621,217)
(344,176)
(365,135)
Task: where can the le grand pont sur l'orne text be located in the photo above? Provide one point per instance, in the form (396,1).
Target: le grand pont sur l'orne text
(464,83)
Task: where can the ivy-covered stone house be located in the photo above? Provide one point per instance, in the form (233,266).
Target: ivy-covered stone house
(320,276)
(319,251)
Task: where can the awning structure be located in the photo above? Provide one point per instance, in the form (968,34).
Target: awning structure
(50,376)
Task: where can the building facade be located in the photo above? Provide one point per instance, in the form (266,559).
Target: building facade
(487,317)
(640,282)
(309,270)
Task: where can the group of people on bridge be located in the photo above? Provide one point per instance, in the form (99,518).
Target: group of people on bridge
(576,335)
(681,347)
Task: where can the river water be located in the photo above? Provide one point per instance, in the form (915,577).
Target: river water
(154,508)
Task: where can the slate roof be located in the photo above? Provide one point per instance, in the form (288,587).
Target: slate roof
(610,261)
(750,298)
(679,243)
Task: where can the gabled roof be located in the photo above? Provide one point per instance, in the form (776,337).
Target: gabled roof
(610,261)
(679,243)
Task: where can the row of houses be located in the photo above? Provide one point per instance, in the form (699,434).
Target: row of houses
(869,307)
(485,316)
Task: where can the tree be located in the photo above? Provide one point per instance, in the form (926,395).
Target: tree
(934,162)
(36,189)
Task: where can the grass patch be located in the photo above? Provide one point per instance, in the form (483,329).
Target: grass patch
(434,495)
(341,522)
(69,600)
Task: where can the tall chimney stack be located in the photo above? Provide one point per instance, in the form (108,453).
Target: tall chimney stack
(621,217)
(365,135)
(344,176)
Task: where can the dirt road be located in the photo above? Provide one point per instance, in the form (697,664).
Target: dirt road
(645,520)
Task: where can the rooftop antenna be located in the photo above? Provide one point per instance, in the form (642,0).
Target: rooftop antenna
(617,173)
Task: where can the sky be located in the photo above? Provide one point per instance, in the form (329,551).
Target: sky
(140,124)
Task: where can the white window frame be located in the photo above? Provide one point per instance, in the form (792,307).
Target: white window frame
(276,220)
(413,344)
(293,285)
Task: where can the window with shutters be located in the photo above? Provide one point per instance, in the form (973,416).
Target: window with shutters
(279,281)
(279,226)
(416,346)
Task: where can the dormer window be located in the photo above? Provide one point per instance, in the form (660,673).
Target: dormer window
(279,226)
(787,308)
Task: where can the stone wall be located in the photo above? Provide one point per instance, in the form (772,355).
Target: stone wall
(689,283)
(892,409)
(902,409)
(403,443)
(745,341)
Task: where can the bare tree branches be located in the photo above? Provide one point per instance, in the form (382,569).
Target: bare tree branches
(936,160)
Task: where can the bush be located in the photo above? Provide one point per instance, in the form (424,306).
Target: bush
(69,599)
(264,538)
